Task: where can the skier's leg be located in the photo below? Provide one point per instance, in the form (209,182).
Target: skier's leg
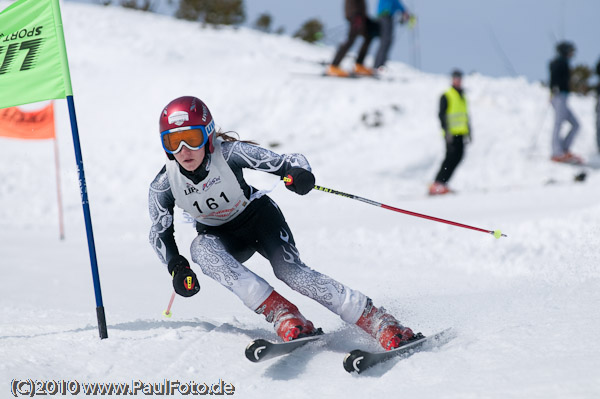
(386,24)
(368,37)
(570,117)
(598,122)
(454,153)
(211,254)
(351,305)
(276,243)
(559,105)
(344,47)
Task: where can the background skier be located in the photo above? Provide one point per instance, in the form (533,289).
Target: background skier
(454,118)
(598,106)
(560,76)
(359,24)
(386,12)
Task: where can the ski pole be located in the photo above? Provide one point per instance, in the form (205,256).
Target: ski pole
(495,233)
(167,313)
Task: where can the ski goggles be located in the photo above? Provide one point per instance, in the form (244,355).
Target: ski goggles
(193,137)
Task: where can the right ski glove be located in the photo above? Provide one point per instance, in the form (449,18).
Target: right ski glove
(299,180)
(185,281)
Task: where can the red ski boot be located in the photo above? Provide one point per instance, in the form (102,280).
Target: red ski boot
(288,321)
(384,327)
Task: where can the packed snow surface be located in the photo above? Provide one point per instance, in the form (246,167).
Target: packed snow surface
(524,307)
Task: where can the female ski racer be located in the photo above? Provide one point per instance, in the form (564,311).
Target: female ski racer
(203,176)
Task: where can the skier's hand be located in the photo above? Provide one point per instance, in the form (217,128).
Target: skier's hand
(299,180)
(185,281)
(405,17)
(448,136)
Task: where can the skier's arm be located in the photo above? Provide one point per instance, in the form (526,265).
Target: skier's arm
(404,13)
(160,205)
(295,167)
(244,155)
(442,113)
(400,6)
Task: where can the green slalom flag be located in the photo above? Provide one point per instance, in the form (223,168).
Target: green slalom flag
(33,57)
(34,67)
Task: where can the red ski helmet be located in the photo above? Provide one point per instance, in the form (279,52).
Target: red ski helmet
(184,114)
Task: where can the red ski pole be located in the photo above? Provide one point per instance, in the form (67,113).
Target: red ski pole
(495,233)
(167,313)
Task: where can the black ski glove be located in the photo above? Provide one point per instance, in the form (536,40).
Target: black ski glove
(185,282)
(299,180)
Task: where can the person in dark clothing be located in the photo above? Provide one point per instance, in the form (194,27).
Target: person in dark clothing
(560,75)
(359,25)
(454,119)
(598,106)
(386,10)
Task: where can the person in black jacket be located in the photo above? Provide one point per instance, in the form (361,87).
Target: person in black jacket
(359,25)
(598,106)
(560,75)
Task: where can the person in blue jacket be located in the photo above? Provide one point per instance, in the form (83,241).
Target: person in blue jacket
(386,11)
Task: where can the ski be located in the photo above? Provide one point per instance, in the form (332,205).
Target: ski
(359,360)
(261,349)
(351,75)
(584,167)
(325,75)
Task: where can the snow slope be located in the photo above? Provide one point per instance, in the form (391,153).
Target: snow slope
(525,307)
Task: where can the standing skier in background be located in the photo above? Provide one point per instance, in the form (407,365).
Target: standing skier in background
(386,11)
(598,106)
(203,176)
(454,118)
(359,25)
(560,76)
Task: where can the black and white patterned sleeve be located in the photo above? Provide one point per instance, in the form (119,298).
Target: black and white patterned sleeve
(160,205)
(245,155)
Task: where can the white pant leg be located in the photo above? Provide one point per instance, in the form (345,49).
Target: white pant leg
(559,104)
(335,296)
(562,113)
(214,260)
(598,122)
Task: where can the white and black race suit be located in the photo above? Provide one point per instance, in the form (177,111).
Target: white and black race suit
(234,221)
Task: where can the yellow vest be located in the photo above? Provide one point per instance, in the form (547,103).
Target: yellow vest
(457,118)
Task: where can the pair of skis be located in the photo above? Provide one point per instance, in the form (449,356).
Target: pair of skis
(356,361)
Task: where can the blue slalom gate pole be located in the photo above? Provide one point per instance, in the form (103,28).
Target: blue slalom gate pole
(88,220)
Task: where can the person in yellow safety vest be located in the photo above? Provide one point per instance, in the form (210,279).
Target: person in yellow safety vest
(454,118)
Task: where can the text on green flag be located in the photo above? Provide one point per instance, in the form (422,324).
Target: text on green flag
(32,65)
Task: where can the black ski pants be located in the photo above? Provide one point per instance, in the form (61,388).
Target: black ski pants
(455,147)
(368,31)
